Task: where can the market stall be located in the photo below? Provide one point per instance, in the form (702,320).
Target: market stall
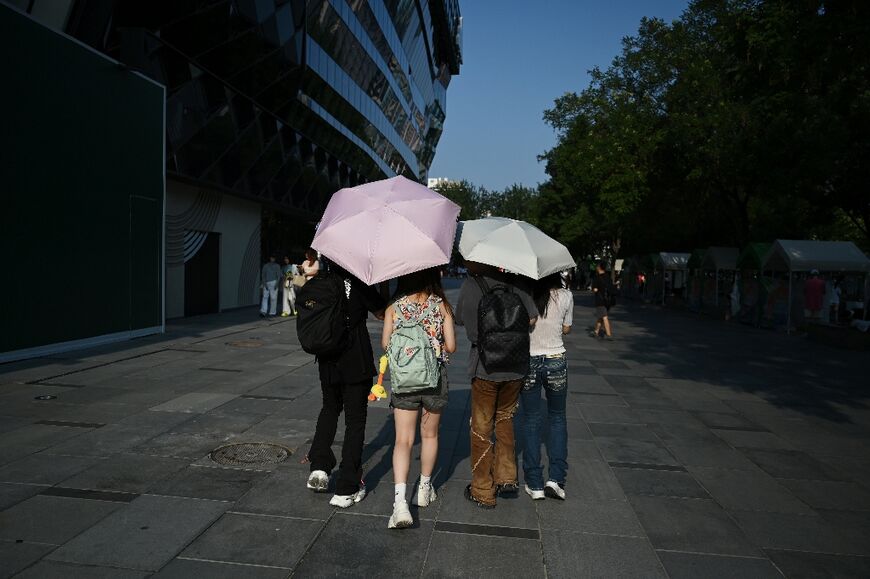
(797,258)
(721,262)
(695,283)
(671,273)
(749,293)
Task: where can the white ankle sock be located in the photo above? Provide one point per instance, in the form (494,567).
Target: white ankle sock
(399,494)
(425,480)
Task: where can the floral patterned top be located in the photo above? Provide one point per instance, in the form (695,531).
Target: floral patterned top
(430,317)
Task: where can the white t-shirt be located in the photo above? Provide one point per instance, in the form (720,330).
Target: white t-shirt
(546,336)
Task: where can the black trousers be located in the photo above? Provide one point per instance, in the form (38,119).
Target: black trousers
(353,399)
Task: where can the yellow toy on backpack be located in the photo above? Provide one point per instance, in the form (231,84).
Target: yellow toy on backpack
(378,392)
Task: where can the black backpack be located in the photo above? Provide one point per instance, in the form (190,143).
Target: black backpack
(322,325)
(502,330)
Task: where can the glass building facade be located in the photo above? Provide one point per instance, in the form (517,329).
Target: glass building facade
(284,101)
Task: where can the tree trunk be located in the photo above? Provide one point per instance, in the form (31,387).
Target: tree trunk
(615,246)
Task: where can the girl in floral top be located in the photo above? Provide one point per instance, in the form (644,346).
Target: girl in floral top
(419,297)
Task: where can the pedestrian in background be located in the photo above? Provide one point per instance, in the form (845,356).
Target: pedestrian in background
(289,302)
(494,393)
(419,299)
(836,292)
(270,277)
(548,370)
(602,289)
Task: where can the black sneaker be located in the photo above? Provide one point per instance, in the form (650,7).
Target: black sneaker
(507,490)
(593,334)
(470,497)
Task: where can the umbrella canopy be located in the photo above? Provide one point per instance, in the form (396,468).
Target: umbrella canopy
(516,246)
(386,229)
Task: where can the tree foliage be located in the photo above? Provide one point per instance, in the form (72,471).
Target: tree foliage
(742,120)
(516,201)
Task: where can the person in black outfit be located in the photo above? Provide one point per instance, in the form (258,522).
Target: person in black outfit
(345,381)
(602,289)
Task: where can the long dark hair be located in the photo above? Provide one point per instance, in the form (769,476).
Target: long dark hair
(427,281)
(543,289)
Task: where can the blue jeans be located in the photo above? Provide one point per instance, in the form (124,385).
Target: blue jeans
(552,375)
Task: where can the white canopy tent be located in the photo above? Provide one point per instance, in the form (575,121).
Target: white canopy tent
(806,255)
(669,261)
(720,259)
(673,261)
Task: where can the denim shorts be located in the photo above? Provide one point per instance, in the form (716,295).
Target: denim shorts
(432,400)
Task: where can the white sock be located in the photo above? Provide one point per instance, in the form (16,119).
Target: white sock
(399,495)
(425,480)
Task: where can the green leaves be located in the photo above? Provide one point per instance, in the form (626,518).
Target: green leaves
(742,120)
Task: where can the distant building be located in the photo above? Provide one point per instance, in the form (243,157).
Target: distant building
(154,143)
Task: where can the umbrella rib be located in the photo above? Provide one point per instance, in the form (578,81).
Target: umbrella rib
(411,223)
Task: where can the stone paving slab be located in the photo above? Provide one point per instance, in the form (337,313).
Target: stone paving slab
(17,556)
(454,555)
(126,472)
(186,568)
(692,566)
(255,540)
(52,520)
(696,449)
(144,535)
(570,554)
(55,570)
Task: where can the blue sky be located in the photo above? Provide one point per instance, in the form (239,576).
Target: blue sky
(518,57)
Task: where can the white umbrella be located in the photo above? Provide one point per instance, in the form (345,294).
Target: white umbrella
(516,246)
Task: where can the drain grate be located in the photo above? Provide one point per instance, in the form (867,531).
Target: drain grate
(249,454)
(256,343)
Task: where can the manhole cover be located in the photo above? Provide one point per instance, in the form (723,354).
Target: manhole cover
(249,454)
(246,344)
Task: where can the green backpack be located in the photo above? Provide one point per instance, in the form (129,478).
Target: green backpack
(413,365)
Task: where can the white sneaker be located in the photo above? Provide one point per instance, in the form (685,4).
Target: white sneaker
(554,490)
(345,501)
(401,517)
(424,496)
(536,494)
(318,480)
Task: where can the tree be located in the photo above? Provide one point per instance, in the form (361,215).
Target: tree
(467,195)
(515,202)
(743,120)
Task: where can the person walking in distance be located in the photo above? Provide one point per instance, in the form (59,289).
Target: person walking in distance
(497,314)
(346,373)
(270,277)
(419,301)
(548,370)
(289,292)
(602,290)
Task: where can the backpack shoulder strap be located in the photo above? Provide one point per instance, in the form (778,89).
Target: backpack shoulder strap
(484,287)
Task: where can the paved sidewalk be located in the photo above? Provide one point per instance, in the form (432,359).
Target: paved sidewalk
(697,449)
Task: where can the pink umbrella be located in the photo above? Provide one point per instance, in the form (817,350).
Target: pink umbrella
(388,228)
